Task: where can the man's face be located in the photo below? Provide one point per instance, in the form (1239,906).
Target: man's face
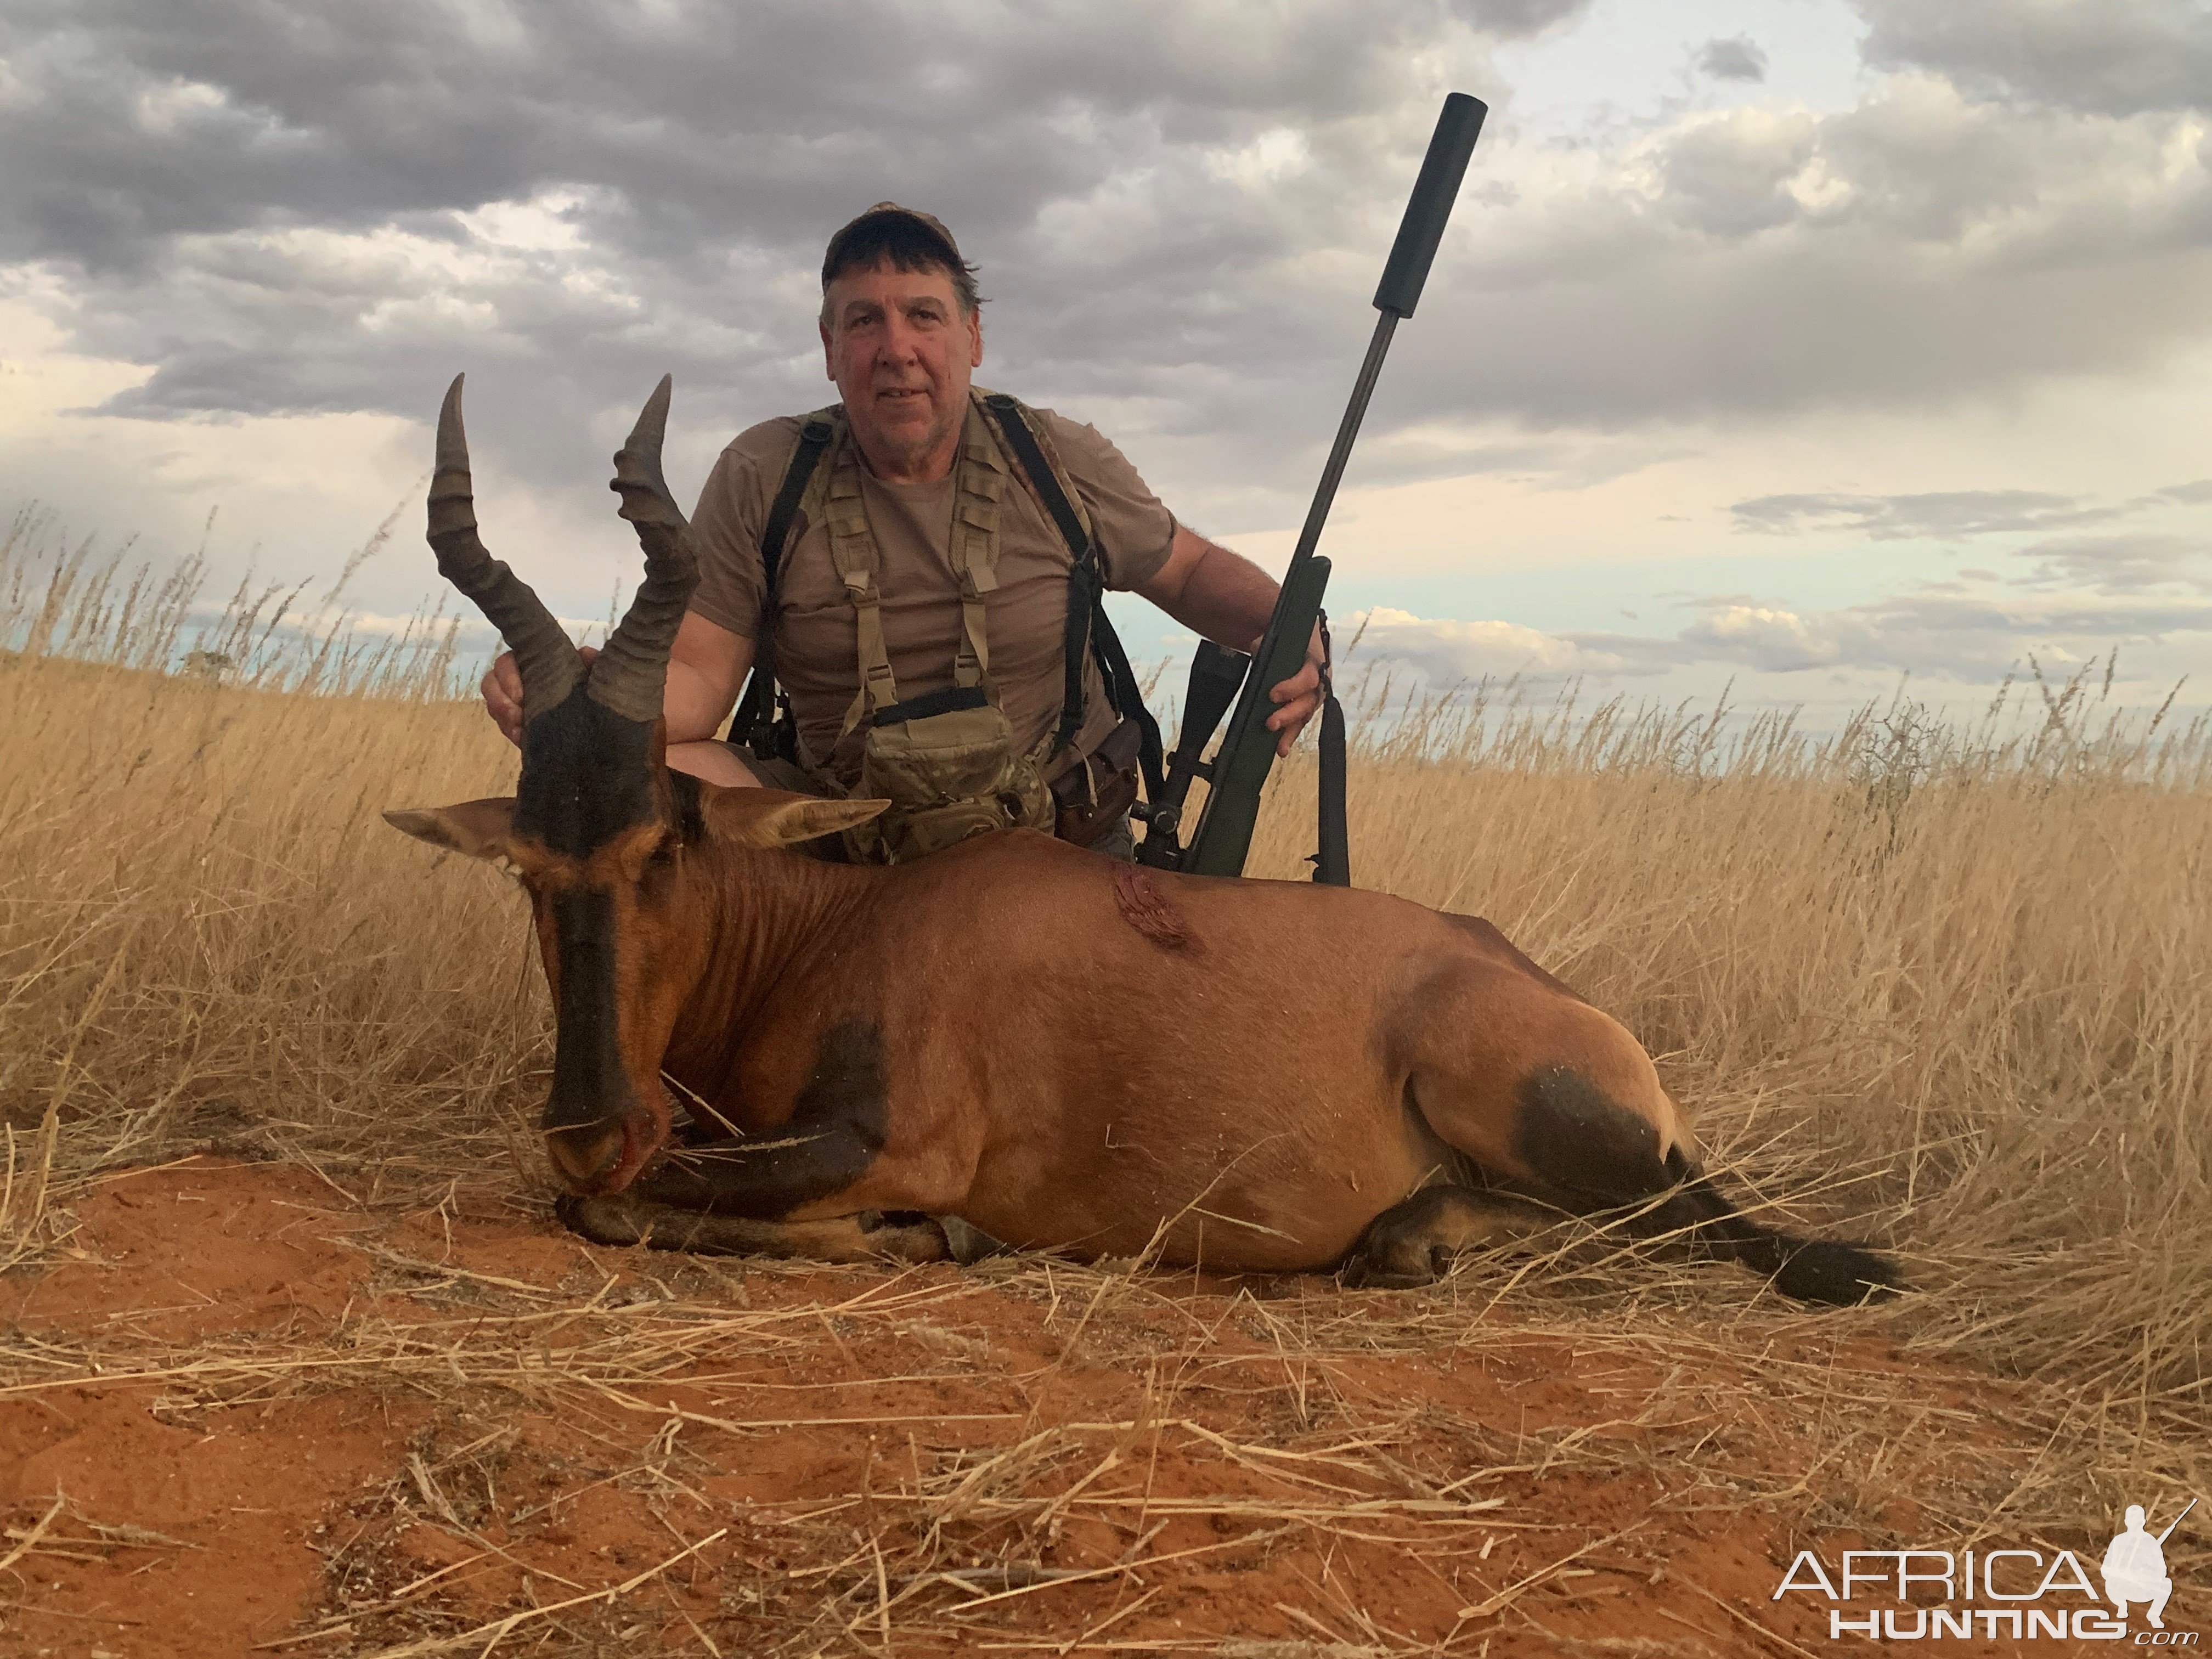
(902,356)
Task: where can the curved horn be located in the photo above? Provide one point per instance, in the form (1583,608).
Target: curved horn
(632,670)
(543,652)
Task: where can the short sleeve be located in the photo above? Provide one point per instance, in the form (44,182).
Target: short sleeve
(727,525)
(1133,531)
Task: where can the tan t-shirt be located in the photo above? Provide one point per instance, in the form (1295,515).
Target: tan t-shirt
(1025,616)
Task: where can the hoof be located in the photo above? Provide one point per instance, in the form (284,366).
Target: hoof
(970,1245)
(612,1220)
(1415,1241)
(902,1235)
(1403,1270)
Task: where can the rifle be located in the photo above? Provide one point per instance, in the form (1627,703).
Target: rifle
(2177,1520)
(1239,768)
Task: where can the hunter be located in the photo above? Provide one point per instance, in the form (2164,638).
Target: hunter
(922,559)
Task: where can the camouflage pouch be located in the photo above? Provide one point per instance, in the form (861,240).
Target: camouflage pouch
(946,763)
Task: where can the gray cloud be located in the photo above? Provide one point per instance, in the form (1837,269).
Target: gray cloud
(1738,58)
(2111,57)
(2121,564)
(1745,262)
(1732,177)
(1181,210)
(1444,650)
(1520,20)
(710,127)
(1946,634)
(1942,514)
(313,212)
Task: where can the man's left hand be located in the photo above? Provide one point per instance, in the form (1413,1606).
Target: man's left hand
(1299,695)
(1225,597)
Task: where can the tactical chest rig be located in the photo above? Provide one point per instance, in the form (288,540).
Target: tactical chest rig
(946,759)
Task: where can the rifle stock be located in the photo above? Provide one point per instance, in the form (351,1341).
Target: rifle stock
(1215,673)
(1240,769)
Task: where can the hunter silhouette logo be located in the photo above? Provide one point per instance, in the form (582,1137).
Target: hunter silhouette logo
(2135,1566)
(2019,1594)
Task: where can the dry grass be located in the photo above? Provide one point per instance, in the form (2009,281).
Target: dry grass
(1948,984)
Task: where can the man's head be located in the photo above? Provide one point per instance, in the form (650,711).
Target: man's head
(900,335)
(2135,1517)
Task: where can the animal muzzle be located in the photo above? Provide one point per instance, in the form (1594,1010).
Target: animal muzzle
(601,1121)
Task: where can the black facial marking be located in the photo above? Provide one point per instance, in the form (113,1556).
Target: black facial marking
(589,1084)
(832,1138)
(1579,1139)
(586,777)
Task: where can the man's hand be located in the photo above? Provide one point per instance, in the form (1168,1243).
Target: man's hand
(1299,695)
(706,666)
(1225,597)
(502,692)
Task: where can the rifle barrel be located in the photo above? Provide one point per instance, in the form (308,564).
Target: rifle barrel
(1347,432)
(2175,1521)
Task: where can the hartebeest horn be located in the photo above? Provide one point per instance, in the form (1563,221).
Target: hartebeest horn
(543,652)
(632,670)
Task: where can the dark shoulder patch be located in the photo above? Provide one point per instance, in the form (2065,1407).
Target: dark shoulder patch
(1148,909)
(850,1084)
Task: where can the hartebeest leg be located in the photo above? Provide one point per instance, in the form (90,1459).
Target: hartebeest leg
(1563,1105)
(1414,1241)
(1810,1269)
(1592,1155)
(833,1138)
(868,1237)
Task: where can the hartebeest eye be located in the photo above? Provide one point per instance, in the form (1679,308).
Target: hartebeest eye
(658,873)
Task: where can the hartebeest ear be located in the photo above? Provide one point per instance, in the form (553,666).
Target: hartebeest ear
(777,817)
(481,829)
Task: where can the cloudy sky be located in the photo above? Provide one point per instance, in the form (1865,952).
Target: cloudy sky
(1802,344)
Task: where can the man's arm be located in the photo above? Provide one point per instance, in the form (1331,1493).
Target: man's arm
(1228,599)
(707,669)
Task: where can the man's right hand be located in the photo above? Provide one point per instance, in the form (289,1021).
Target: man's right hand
(502,692)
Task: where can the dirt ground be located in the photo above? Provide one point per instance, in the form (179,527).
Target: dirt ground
(253,1412)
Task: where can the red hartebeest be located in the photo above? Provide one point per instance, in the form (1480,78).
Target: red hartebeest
(1061,1050)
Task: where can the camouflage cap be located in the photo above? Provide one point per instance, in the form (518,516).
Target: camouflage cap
(931,225)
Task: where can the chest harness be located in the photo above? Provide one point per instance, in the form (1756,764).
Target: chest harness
(946,759)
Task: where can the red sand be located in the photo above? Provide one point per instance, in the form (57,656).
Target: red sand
(211,1513)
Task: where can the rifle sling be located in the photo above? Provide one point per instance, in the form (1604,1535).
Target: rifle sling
(756,708)
(1088,625)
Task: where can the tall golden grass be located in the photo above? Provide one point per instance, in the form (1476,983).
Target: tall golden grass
(1946,986)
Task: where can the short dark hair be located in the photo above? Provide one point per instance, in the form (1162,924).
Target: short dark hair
(901,240)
